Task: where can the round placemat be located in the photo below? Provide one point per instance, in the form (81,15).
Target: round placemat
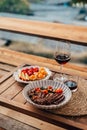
(77,106)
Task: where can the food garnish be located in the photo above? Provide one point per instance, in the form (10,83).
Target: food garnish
(46,96)
(33,73)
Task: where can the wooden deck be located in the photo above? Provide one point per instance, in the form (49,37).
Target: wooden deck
(11,92)
(12,103)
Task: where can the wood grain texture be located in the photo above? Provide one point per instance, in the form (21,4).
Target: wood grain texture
(2,128)
(17,58)
(2,73)
(39,124)
(6,67)
(45,116)
(12,91)
(9,123)
(19,98)
(9,74)
(11,97)
(46,29)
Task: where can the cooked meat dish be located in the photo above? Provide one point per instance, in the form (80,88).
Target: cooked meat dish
(46,96)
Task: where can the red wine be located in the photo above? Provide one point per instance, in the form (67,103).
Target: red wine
(62,58)
(71,84)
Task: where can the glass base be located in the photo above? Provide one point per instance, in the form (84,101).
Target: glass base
(74,90)
(60,77)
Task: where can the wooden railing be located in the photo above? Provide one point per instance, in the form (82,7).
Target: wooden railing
(75,34)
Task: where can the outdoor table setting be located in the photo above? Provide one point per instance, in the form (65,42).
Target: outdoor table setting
(35,89)
(74,102)
(16,86)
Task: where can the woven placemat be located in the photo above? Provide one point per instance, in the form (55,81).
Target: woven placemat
(77,106)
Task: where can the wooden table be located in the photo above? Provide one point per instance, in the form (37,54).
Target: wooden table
(12,102)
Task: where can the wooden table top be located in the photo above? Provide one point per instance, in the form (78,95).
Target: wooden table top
(12,102)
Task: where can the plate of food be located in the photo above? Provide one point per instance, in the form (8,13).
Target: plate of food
(32,73)
(47,94)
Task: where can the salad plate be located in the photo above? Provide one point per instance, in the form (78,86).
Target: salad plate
(32,73)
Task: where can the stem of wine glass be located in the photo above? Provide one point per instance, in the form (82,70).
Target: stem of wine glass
(63,78)
(61,66)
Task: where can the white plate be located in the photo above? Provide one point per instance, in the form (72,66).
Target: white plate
(16,74)
(66,92)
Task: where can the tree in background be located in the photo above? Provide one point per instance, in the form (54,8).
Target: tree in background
(35,1)
(83,10)
(15,6)
(79,1)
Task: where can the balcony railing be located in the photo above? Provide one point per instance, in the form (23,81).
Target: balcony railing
(75,34)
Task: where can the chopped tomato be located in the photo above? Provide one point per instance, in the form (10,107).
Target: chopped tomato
(45,91)
(49,87)
(36,69)
(31,69)
(59,90)
(29,72)
(37,89)
(24,71)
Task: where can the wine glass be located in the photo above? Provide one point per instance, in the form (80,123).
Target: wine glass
(62,56)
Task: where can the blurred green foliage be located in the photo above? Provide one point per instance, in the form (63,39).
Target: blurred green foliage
(79,1)
(15,6)
(35,1)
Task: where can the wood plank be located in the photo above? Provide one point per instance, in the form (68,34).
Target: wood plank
(81,119)
(42,125)
(5,85)
(5,77)
(8,123)
(6,67)
(47,29)
(12,91)
(19,98)
(2,73)
(42,115)
(17,58)
(9,74)
(8,54)
(2,128)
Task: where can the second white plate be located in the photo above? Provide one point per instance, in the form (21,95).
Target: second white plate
(16,74)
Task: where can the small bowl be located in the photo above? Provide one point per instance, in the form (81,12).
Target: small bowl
(16,74)
(55,84)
